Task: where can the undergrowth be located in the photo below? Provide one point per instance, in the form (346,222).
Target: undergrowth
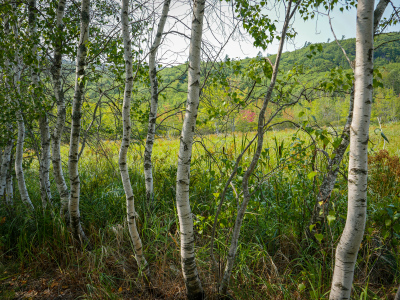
(275,259)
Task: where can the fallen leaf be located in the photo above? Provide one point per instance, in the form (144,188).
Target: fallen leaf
(65,286)
(55,283)
(120,289)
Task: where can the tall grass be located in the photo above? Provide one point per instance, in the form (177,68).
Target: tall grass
(275,259)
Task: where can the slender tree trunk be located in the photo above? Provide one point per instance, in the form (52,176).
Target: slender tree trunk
(43,122)
(9,184)
(189,269)
(4,170)
(349,244)
(223,288)
(326,187)
(76,124)
(61,112)
(126,120)
(19,172)
(45,190)
(148,150)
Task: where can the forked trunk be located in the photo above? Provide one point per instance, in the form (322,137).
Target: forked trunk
(189,269)
(349,244)
(126,120)
(148,150)
(80,80)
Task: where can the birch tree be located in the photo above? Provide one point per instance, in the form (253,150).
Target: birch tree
(192,281)
(80,81)
(123,166)
(328,183)
(148,150)
(44,162)
(17,69)
(61,111)
(349,244)
(260,140)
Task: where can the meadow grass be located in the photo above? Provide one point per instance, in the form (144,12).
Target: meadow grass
(275,260)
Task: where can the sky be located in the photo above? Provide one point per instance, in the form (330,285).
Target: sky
(316,30)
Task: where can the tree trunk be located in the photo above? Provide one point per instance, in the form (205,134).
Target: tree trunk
(44,163)
(223,288)
(44,167)
(326,187)
(126,120)
(349,244)
(4,170)
(148,150)
(193,285)
(19,172)
(61,112)
(76,124)
(9,183)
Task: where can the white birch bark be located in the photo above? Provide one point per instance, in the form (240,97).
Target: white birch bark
(148,150)
(4,170)
(76,124)
(349,244)
(61,112)
(6,153)
(9,184)
(189,269)
(329,180)
(223,288)
(19,172)
(126,120)
(44,166)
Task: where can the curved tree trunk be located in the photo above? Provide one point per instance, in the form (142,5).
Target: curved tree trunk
(76,124)
(19,172)
(349,244)
(61,112)
(223,288)
(148,150)
(189,269)
(126,120)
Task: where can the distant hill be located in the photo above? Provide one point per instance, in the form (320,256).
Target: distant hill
(386,54)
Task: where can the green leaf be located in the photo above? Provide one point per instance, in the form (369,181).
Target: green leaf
(388,222)
(330,219)
(319,237)
(312,175)
(301,287)
(384,137)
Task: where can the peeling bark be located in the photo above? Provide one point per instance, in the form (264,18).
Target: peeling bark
(148,150)
(76,124)
(349,244)
(193,285)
